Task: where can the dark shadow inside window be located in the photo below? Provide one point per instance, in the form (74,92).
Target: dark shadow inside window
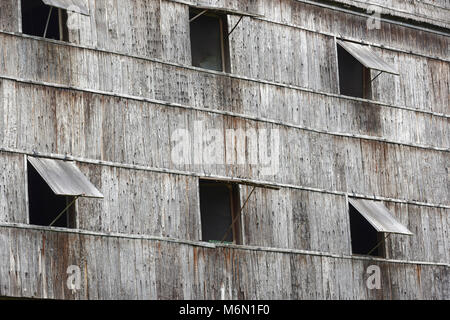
(354,77)
(45,206)
(219,205)
(209,40)
(35,15)
(364,237)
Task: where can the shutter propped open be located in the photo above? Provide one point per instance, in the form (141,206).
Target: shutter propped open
(69,5)
(367,57)
(379,216)
(64,178)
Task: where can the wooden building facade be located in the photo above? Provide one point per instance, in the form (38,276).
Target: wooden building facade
(108,93)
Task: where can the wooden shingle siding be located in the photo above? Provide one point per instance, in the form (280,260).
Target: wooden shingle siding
(295,66)
(139,202)
(9,16)
(127,131)
(154,80)
(114,96)
(284,55)
(337,23)
(249,44)
(150,269)
(146,203)
(146,27)
(428,11)
(12,189)
(296,219)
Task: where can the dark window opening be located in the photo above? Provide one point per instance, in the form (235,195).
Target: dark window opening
(45,206)
(354,77)
(209,40)
(364,236)
(41,20)
(219,206)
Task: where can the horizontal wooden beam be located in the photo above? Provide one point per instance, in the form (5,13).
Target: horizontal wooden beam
(245,182)
(225,10)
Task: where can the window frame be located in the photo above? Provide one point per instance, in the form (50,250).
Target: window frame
(234,190)
(370,61)
(62,17)
(366,76)
(71,213)
(68,168)
(222,17)
(380,242)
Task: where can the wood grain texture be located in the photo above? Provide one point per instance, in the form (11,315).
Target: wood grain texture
(149,269)
(9,16)
(124,85)
(48,125)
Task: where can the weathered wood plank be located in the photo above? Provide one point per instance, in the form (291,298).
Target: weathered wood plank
(9,16)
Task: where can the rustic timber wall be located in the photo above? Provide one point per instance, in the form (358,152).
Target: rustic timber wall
(435,12)
(288,218)
(289,58)
(141,78)
(122,130)
(142,31)
(9,16)
(146,268)
(252,58)
(112,98)
(110,127)
(313,17)
(429,11)
(295,56)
